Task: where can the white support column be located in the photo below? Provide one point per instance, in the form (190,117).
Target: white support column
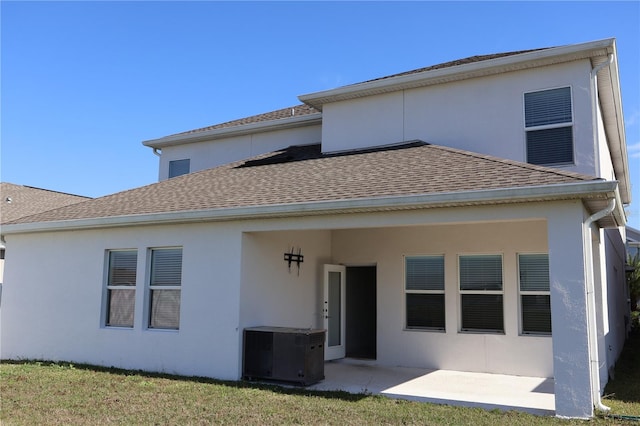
(569,322)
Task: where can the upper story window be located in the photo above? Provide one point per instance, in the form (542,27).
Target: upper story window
(424,288)
(179,167)
(549,126)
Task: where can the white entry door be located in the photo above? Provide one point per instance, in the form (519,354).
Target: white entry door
(333,311)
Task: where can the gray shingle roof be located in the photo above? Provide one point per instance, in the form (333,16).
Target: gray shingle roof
(464,61)
(304,175)
(288,112)
(18,201)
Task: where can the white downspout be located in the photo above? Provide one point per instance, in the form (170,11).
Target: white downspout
(591,307)
(594,110)
(157,152)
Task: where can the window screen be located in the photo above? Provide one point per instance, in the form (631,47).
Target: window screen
(549,126)
(121,293)
(165,287)
(424,288)
(548,107)
(481,293)
(535,299)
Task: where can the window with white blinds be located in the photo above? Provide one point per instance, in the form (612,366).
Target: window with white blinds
(424,292)
(121,288)
(535,298)
(549,126)
(481,293)
(165,287)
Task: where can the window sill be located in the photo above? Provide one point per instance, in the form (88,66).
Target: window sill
(428,330)
(162,330)
(498,333)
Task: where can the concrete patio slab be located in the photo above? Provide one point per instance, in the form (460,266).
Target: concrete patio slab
(489,391)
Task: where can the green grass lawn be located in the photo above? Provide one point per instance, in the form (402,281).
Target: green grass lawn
(36,393)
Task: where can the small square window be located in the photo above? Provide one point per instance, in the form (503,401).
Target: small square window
(179,167)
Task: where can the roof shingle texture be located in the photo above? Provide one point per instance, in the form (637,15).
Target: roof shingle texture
(294,111)
(303,175)
(18,201)
(464,61)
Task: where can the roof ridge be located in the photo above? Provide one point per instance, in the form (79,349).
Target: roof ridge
(515,163)
(456,62)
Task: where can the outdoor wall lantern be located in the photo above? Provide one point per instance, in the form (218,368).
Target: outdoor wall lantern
(292,257)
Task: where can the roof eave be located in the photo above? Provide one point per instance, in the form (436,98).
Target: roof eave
(226,132)
(612,115)
(461,72)
(590,191)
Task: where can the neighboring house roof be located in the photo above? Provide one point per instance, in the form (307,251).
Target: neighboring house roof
(301,179)
(18,201)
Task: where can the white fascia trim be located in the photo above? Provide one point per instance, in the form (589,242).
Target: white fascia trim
(260,126)
(614,125)
(589,189)
(506,63)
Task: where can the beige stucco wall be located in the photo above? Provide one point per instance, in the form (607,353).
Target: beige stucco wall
(272,293)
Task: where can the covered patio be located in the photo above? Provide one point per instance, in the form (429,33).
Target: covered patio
(490,391)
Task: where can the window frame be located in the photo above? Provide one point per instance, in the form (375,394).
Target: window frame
(407,292)
(531,293)
(570,124)
(150,288)
(462,292)
(108,287)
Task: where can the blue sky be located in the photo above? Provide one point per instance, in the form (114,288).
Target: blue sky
(84,83)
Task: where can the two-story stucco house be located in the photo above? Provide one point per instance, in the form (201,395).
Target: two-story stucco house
(466,216)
